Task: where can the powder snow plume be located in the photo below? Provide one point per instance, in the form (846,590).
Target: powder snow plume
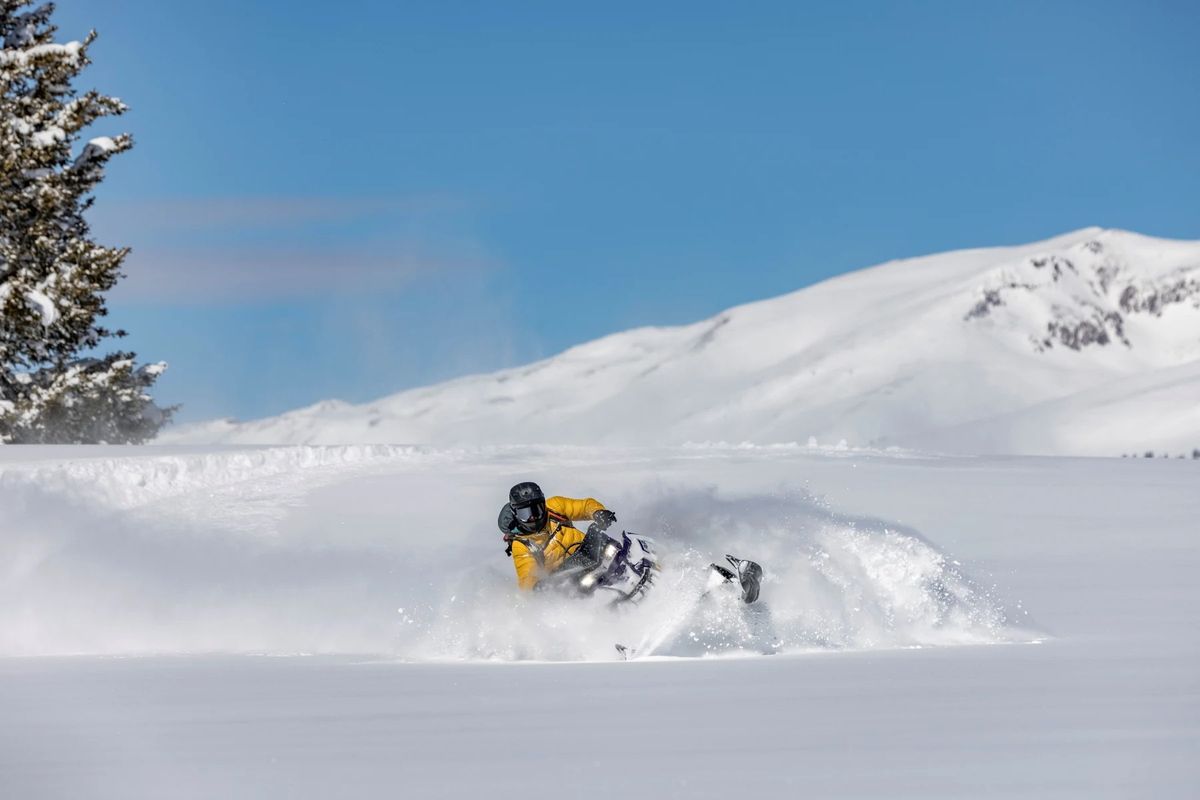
(198,553)
(832,582)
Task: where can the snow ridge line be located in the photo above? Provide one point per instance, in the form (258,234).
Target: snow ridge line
(132,481)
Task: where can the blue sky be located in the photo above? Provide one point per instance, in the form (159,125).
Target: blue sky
(344,200)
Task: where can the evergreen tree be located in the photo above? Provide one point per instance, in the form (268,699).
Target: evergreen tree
(53,276)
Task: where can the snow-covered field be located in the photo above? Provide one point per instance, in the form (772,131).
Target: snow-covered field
(315,622)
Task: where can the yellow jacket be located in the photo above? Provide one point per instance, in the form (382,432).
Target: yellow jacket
(536,555)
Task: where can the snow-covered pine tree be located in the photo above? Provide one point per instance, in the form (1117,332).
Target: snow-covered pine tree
(53,276)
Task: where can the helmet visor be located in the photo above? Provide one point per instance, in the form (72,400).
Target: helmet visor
(529,513)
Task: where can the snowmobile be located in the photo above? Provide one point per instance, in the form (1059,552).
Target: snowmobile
(627,568)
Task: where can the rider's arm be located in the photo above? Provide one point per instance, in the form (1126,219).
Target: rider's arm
(528,572)
(574,509)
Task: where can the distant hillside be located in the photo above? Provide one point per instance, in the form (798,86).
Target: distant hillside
(1088,343)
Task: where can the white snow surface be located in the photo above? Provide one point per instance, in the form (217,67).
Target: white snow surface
(1086,344)
(342,621)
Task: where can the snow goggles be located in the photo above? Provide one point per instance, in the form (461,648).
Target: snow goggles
(529,513)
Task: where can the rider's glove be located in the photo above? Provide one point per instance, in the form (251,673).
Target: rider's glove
(604,519)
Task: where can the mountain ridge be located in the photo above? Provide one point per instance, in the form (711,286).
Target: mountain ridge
(899,353)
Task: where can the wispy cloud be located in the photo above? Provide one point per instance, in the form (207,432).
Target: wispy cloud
(279,213)
(232,275)
(264,249)
(308,298)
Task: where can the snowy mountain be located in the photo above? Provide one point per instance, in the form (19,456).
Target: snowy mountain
(1088,343)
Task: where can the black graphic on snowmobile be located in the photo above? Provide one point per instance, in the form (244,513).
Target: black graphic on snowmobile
(625,568)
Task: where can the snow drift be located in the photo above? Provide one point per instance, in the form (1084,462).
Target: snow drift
(233,552)
(960,351)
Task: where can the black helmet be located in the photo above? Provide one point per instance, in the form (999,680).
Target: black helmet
(529,506)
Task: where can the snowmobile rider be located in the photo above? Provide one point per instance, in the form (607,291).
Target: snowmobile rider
(540,536)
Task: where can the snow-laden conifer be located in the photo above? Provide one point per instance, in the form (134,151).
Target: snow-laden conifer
(53,276)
